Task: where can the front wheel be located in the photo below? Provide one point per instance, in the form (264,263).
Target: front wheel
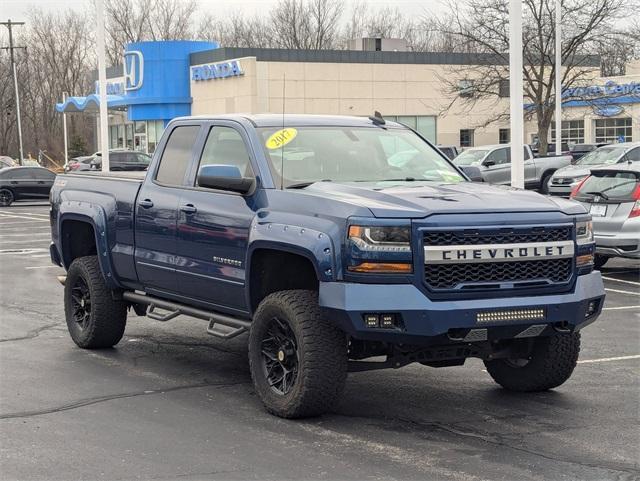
(95,319)
(599,261)
(298,359)
(549,364)
(544,183)
(6,197)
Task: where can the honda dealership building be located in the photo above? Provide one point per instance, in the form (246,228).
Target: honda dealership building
(162,80)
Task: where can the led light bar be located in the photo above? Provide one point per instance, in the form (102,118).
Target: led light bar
(510,315)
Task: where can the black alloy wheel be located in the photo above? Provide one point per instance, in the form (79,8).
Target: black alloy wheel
(6,197)
(280,358)
(81,303)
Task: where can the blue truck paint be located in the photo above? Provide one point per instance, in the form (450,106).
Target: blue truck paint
(203,259)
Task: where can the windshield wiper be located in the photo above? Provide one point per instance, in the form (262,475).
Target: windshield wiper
(302,185)
(601,194)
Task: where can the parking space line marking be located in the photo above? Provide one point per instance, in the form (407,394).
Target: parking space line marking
(24,224)
(41,267)
(23,212)
(619,308)
(11,216)
(30,234)
(31,250)
(609,359)
(40,255)
(621,280)
(622,292)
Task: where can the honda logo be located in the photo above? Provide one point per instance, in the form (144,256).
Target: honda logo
(133,70)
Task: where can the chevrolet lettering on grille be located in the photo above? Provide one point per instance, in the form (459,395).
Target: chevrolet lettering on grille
(457,254)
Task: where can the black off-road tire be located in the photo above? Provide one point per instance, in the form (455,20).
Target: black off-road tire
(104,322)
(551,363)
(599,261)
(321,355)
(6,197)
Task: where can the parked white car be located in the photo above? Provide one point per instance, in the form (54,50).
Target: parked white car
(566,179)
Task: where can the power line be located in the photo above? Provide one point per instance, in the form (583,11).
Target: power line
(9,24)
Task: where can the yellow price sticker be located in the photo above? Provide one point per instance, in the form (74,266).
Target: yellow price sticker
(281,138)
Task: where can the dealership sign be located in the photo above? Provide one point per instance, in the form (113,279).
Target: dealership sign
(133,70)
(231,68)
(609,89)
(113,88)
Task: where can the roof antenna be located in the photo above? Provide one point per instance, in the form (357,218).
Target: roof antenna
(377,118)
(284,84)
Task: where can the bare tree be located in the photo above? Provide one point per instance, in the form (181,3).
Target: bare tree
(57,59)
(306,25)
(237,30)
(483,26)
(138,20)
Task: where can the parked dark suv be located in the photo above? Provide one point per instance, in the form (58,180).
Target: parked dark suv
(18,183)
(120,160)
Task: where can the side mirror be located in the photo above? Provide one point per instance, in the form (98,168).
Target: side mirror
(224,177)
(489,163)
(473,172)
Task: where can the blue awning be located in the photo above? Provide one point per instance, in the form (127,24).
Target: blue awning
(90,103)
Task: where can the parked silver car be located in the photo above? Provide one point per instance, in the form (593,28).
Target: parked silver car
(494,162)
(612,196)
(565,179)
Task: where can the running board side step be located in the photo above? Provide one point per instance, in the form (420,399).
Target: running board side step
(220,325)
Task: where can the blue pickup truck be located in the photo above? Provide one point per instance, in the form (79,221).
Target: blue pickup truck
(339,244)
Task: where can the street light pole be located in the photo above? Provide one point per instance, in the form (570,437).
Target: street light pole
(516,109)
(9,24)
(558,80)
(64,129)
(102,85)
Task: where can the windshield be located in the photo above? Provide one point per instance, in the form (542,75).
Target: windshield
(610,185)
(470,157)
(352,154)
(603,155)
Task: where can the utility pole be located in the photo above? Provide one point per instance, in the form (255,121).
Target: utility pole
(9,24)
(517,94)
(558,80)
(102,82)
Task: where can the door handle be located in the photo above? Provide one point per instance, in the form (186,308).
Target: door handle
(146,203)
(188,209)
(13,182)
(41,182)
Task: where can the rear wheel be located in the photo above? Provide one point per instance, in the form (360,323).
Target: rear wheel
(6,197)
(298,359)
(599,261)
(94,318)
(549,364)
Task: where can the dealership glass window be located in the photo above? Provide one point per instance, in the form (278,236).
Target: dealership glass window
(154,132)
(504,136)
(141,127)
(572,132)
(503,88)
(466,137)
(613,130)
(425,125)
(128,128)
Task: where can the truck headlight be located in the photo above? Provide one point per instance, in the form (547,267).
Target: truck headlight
(584,232)
(380,249)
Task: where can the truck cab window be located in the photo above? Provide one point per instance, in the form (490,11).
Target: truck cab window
(499,156)
(177,155)
(225,146)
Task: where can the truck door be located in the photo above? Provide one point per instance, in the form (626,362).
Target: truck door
(213,227)
(497,166)
(157,211)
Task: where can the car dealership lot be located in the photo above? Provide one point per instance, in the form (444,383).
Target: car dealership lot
(171,402)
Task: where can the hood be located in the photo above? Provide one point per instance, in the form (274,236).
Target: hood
(576,170)
(419,199)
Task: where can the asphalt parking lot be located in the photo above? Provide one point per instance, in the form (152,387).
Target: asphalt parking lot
(170,402)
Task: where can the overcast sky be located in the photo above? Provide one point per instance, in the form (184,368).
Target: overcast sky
(16,9)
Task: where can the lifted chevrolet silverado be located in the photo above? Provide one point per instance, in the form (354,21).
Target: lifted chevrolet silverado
(339,243)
